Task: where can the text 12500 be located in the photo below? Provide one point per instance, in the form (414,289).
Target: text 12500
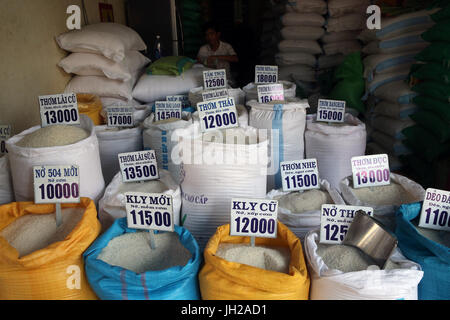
(301,180)
(330,115)
(140,172)
(145,218)
(373,176)
(255,225)
(332,231)
(60,116)
(59,191)
(214,83)
(219,120)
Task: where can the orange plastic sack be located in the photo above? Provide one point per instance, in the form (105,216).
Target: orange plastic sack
(223,280)
(90,105)
(52,273)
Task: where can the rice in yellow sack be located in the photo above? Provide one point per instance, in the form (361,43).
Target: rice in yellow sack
(55,272)
(223,280)
(90,105)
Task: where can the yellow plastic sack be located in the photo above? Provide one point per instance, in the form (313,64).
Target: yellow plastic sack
(52,273)
(90,105)
(223,280)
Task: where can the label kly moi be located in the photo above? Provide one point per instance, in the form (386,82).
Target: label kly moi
(214,94)
(167,109)
(138,166)
(335,221)
(300,175)
(149,211)
(120,116)
(59,109)
(56,184)
(435,210)
(330,110)
(254,217)
(5,134)
(217,114)
(214,79)
(266,74)
(183,98)
(370,171)
(270,92)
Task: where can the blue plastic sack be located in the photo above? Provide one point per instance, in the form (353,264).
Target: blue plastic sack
(116,283)
(433,257)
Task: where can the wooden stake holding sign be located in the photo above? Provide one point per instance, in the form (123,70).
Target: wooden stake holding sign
(254,218)
(56,184)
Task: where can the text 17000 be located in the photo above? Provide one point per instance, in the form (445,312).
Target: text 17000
(120,120)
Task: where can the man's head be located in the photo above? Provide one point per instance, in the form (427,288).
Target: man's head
(212,33)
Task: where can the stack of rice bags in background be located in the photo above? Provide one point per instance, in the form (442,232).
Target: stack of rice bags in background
(192,21)
(298,50)
(390,54)
(429,139)
(270,32)
(105,61)
(345,20)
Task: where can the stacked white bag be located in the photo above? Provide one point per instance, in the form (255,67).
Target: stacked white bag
(285,123)
(104,59)
(333,145)
(270,32)
(85,154)
(298,50)
(345,20)
(332,284)
(215,169)
(390,54)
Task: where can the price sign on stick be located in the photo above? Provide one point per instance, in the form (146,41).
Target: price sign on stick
(56,184)
(214,79)
(167,109)
(215,94)
(5,134)
(435,212)
(120,116)
(138,166)
(183,98)
(336,219)
(270,92)
(370,171)
(330,110)
(59,109)
(300,175)
(266,74)
(217,114)
(149,211)
(254,218)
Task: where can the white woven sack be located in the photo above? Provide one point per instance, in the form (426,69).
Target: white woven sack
(307,6)
(302,33)
(217,172)
(390,126)
(251,90)
(100,86)
(112,204)
(395,110)
(150,88)
(162,138)
(297,72)
(410,42)
(300,223)
(291,58)
(286,121)
(6,187)
(339,8)
(396,92)
(242,114)
(348,22)
(113,141)
(108,101)
(343,47)
(299,46)
(387,63)
(195,95)
(85,154)
(332,284)
(402,24)
(330,37)
(385,213)
(334,146)
(302,19)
